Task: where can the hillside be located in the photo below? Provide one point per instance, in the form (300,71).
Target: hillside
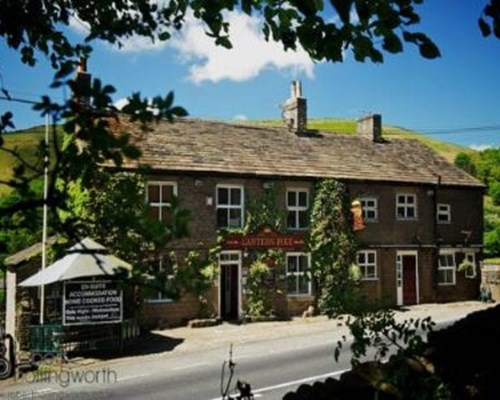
(28,140)
(27,143)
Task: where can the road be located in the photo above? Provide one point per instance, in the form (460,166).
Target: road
(273,367)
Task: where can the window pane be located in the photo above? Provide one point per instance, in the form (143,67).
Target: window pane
(234,218)
(303,220)
(290,220)
(291,264)
(410,212)
(291,199)
(303,263)
(401,212)
(401,199)
(154,212)
(153,194)
(303,284)
(292,284)
(410,199)
(236,196)
(222,196)
(303,199)
(371,258)
(361,258)
(222,220)
(167,193)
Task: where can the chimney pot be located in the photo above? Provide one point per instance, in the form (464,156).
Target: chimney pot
(295,109)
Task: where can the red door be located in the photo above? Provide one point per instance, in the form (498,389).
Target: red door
(409,280)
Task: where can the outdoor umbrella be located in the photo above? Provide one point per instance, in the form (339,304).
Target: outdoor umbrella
(85,259)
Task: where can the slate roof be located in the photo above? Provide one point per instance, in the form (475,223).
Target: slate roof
(201,146)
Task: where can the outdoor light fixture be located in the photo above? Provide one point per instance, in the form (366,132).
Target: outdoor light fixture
(210,200)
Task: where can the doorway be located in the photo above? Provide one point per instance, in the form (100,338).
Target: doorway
(407,278)
(230,285)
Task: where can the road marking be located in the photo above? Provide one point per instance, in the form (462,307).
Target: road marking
(127,378)
(195,365)
(292,383)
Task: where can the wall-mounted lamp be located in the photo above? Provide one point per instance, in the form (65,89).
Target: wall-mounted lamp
(210,200)
(198,182)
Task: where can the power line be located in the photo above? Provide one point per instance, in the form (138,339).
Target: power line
(455,131)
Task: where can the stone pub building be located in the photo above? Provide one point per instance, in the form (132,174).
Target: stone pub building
(422,215)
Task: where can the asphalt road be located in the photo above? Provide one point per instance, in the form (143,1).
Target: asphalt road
(273,368)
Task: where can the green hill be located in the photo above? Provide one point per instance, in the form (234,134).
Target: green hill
(28,140)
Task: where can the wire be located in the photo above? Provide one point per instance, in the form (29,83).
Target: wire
(452,131)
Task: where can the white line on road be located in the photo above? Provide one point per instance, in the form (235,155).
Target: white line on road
(296,382)
(194,365)
(127,378)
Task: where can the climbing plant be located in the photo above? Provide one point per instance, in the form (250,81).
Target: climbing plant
(261,282)
(332,245)
(264,212)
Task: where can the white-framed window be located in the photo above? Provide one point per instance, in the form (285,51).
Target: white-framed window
(406,206)
(470,257)
(369,206)
(230,206)
(443,213)
(162,272)
(447,268)
(297,206)
(159,196)
(297,273)
(367,263)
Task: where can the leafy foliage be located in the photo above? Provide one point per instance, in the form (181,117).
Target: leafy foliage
(408,373)
(194,274)
(257,291)
(332,246)
(264,212)
(464,161)
(486,167)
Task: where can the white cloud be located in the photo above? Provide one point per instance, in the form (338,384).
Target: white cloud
(80,27)
(240,117)
(481,147)
(250,54)
(120,103)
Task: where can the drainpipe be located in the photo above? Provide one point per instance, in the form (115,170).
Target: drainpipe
(435,233)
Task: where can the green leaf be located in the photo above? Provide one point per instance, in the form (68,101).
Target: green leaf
(484,27)
(429,50)
(392,43)
(343,8)
(164,36)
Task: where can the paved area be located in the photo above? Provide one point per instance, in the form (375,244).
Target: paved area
(223,335)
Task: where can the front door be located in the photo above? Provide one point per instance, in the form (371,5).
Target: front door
(407,278)
(229,295)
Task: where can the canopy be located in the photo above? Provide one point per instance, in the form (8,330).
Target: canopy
(85,259)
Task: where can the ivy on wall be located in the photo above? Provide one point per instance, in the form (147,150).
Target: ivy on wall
(333,248)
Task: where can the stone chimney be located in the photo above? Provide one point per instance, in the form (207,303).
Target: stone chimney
(295,109)
(81,89)
(81,97)
(370,126)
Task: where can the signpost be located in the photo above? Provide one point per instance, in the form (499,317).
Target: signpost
(92,302)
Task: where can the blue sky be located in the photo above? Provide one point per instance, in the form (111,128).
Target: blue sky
(460,90)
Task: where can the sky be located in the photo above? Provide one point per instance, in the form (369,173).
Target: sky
(455,98)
